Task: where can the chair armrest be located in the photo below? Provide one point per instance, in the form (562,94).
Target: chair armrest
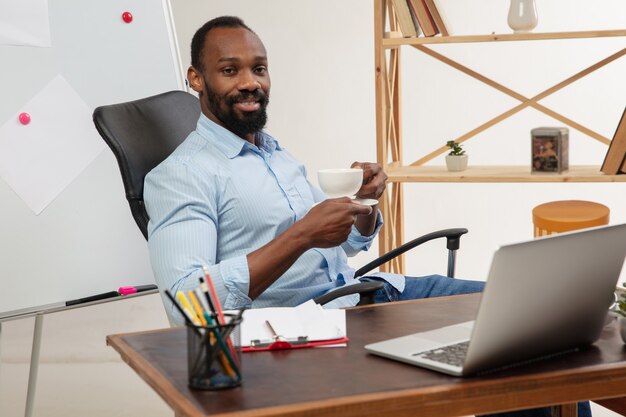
(453,237)
(366,289)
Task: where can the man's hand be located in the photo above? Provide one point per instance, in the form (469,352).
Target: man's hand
(374,180)
(328,224)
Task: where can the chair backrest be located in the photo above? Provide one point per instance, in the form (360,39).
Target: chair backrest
(141,134)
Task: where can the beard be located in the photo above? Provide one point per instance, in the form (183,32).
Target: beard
(240,123)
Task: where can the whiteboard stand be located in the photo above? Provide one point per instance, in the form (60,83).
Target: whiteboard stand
(0,356)
(34,365)
(38,330)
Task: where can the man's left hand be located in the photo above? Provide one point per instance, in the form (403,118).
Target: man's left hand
(374,180)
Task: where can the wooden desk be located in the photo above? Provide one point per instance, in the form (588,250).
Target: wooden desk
(349,382)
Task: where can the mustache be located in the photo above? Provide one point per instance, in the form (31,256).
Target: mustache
(256,95)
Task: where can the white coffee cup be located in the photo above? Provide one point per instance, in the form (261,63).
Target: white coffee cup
(340,182)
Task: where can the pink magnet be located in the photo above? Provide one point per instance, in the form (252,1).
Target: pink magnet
(127,17)
(127,290)
(24,118)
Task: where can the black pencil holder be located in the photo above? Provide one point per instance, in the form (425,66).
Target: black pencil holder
(214,354)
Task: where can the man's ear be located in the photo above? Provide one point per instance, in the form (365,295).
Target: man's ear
(196,82)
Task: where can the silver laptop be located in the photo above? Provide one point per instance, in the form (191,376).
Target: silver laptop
(542,297)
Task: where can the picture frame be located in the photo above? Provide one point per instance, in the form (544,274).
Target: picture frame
(549,150)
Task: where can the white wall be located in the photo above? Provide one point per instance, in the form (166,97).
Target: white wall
(323,106)
(322,109)
(440,103)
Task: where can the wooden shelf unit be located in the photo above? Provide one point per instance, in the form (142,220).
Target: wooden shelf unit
(392,40)
(388,46)
(583,173)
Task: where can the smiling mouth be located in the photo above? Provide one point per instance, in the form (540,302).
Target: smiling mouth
(247,106)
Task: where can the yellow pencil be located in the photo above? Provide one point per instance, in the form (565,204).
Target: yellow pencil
(184,303)
(196,306)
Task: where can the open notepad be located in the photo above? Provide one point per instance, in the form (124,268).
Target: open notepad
(307,325)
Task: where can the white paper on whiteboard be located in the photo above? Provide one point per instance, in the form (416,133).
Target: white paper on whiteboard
(24,23)
(40,159)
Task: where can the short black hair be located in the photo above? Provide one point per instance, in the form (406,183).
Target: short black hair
(197,42)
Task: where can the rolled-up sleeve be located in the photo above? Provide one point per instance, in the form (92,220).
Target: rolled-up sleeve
(183,208)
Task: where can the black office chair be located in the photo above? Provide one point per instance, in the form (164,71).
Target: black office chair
(142,133)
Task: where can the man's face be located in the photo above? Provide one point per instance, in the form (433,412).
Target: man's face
(234,83)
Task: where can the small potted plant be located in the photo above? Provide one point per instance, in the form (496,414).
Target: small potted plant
(620,309)
(456,159)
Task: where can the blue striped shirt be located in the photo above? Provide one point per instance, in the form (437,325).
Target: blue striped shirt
(218,198)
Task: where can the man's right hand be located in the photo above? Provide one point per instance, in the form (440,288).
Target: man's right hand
(326,225)
(329,223)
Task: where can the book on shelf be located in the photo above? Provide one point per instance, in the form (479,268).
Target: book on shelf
(614,161)
(403,15)
(418,31)
(438,17)
(622,123)
(424,18)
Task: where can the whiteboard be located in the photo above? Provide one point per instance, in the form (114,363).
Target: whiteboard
(85,241)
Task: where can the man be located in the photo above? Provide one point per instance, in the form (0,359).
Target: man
(232,200)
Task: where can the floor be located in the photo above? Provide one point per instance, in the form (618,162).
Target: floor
(80,389)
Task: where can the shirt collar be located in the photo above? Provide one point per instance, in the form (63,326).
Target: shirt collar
(230,144)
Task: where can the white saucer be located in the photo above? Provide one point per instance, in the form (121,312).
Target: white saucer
(366,201)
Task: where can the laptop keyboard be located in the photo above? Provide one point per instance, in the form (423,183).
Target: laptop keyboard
(452,354)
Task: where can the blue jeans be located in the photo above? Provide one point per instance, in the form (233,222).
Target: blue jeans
(439,286)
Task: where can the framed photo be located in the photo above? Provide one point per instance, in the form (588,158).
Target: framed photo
(549,150)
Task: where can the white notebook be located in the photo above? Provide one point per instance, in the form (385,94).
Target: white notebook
(308,320)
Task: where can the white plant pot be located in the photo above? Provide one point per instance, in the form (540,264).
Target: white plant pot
(456,162)
(522,16)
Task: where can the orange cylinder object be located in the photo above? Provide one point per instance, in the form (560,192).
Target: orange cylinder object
(567,215)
